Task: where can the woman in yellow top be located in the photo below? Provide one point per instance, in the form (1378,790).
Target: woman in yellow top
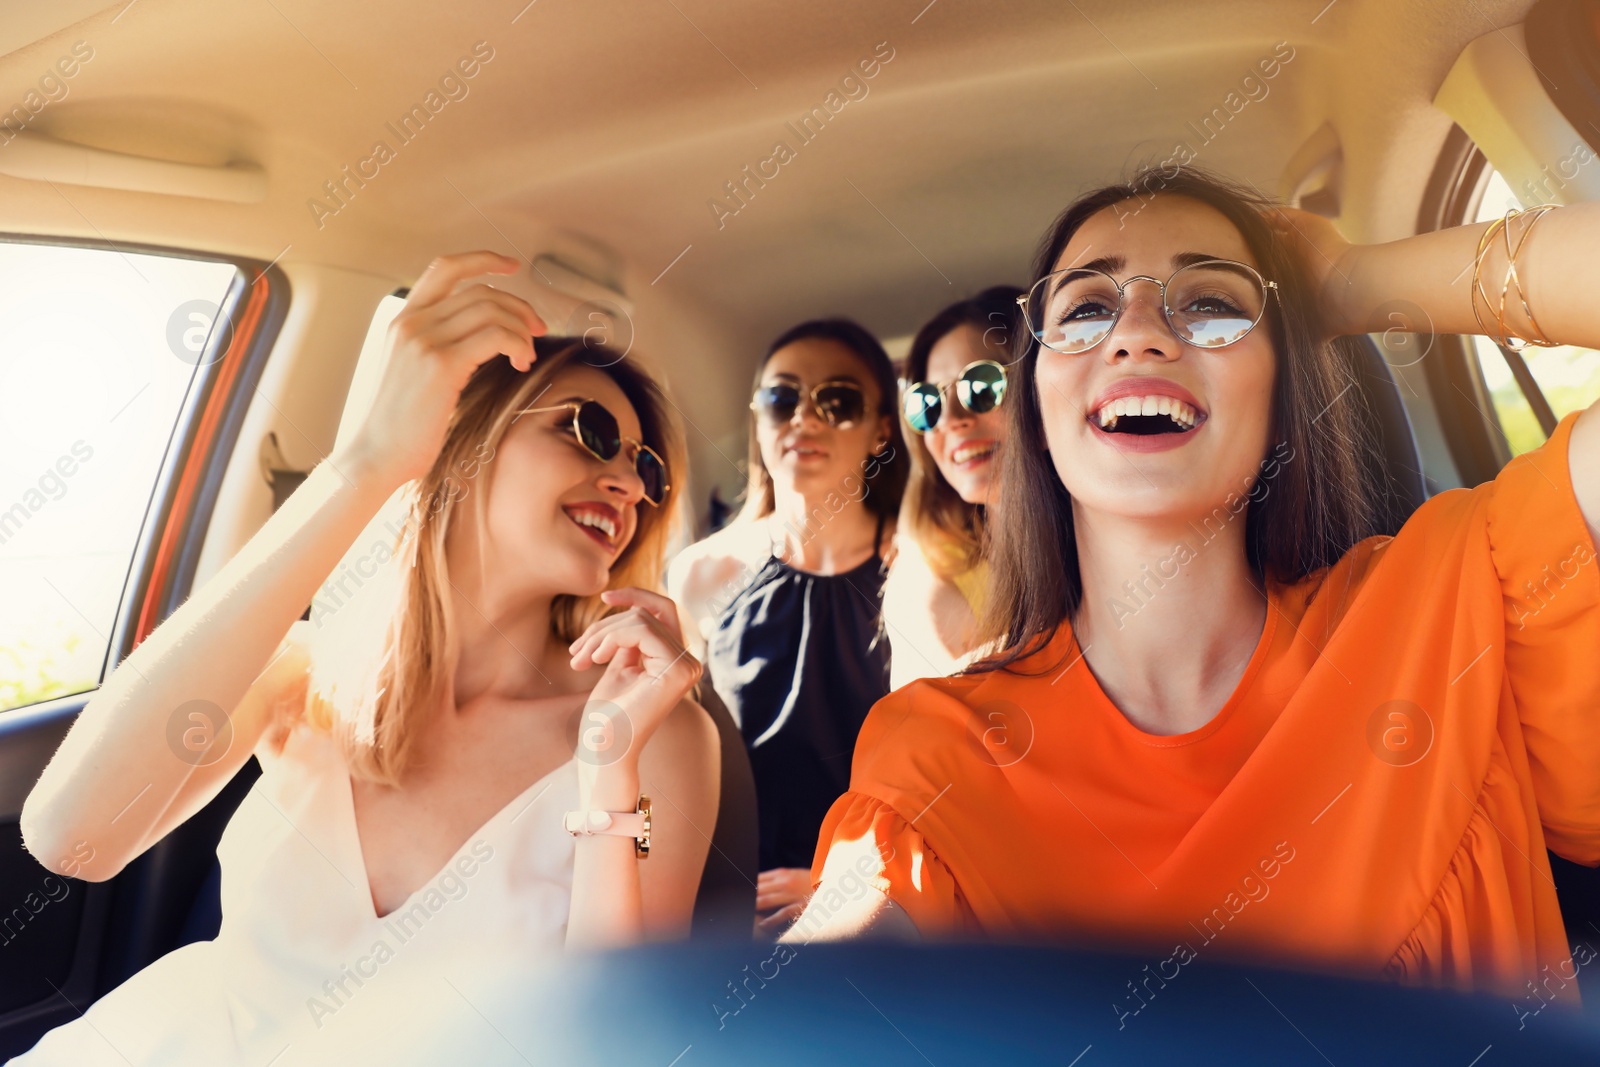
(1225,719)
(952,404)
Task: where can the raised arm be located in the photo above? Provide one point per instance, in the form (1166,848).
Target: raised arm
(1557,276)
(1556,266)
(126,774)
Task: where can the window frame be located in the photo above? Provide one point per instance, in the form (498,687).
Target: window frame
(184,494)
(111,943)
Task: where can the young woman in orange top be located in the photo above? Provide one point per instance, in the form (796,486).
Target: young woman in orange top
(1224,720)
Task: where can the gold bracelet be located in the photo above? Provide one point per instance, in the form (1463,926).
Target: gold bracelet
(1539,340)
(1477,291)
(1502,227)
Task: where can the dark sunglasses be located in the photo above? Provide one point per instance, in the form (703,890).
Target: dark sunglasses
(839,402)
(597,431)
(980,388)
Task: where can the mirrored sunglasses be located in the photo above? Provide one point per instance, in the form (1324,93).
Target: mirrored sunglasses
(980,388)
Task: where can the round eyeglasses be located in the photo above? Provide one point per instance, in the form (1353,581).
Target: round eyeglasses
(1208,304)
(980,388)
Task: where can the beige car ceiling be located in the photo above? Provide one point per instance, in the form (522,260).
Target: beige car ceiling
(605,131)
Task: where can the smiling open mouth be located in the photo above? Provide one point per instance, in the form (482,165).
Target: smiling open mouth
(968,453)
(595,523)
(1147,415)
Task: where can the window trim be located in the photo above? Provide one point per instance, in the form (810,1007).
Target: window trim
(206,434)
(220,393)
(203,436)
(1467,415)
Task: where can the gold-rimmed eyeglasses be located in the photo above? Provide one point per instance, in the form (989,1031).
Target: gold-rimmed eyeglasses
(596,430)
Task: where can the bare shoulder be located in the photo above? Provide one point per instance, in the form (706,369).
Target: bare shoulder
(928,615)
(712,570)
(905,555)
(738,542)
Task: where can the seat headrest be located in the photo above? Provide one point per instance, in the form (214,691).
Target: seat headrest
(1397,467)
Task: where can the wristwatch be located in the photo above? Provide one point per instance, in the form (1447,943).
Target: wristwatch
(634,824)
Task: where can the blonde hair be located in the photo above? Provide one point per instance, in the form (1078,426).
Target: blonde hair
(378,667)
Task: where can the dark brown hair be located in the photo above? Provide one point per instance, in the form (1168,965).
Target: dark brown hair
(884,480)
(1320,503)
(933,510)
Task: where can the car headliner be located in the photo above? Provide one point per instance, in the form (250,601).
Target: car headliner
(603,131)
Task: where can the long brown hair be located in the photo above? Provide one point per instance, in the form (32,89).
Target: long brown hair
(951,530)
(884,479)
(378,656)
(1320,503)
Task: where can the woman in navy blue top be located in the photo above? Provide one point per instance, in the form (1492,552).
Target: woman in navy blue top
(788,596)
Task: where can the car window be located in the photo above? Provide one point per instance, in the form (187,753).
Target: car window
(1567,378)
(98,349)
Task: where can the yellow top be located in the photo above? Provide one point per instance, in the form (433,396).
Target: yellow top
(974,585)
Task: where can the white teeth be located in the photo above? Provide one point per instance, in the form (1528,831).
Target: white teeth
(1177,410)
(599,522)
(966,452)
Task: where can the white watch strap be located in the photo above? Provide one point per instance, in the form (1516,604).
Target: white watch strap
(616,823)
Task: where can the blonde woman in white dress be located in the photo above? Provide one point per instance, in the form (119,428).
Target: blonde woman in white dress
(485,658)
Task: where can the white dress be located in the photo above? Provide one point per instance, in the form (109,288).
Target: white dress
(303,970)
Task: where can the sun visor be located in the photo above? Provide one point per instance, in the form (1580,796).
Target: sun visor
(1495,95)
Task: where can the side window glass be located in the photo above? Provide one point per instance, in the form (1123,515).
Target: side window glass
(1560,380)
(98,350)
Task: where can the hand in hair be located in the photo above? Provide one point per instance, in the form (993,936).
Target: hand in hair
(446,329)
(1326,256)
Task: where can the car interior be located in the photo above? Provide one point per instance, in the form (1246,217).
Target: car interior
(208,218)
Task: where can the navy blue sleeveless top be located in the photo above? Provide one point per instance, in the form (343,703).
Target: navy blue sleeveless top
(799,659)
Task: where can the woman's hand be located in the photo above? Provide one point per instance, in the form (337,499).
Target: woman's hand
(648,673)
(446,329)
(781,896)
(1329,261)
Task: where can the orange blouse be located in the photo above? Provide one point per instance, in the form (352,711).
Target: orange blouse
(1417,724)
